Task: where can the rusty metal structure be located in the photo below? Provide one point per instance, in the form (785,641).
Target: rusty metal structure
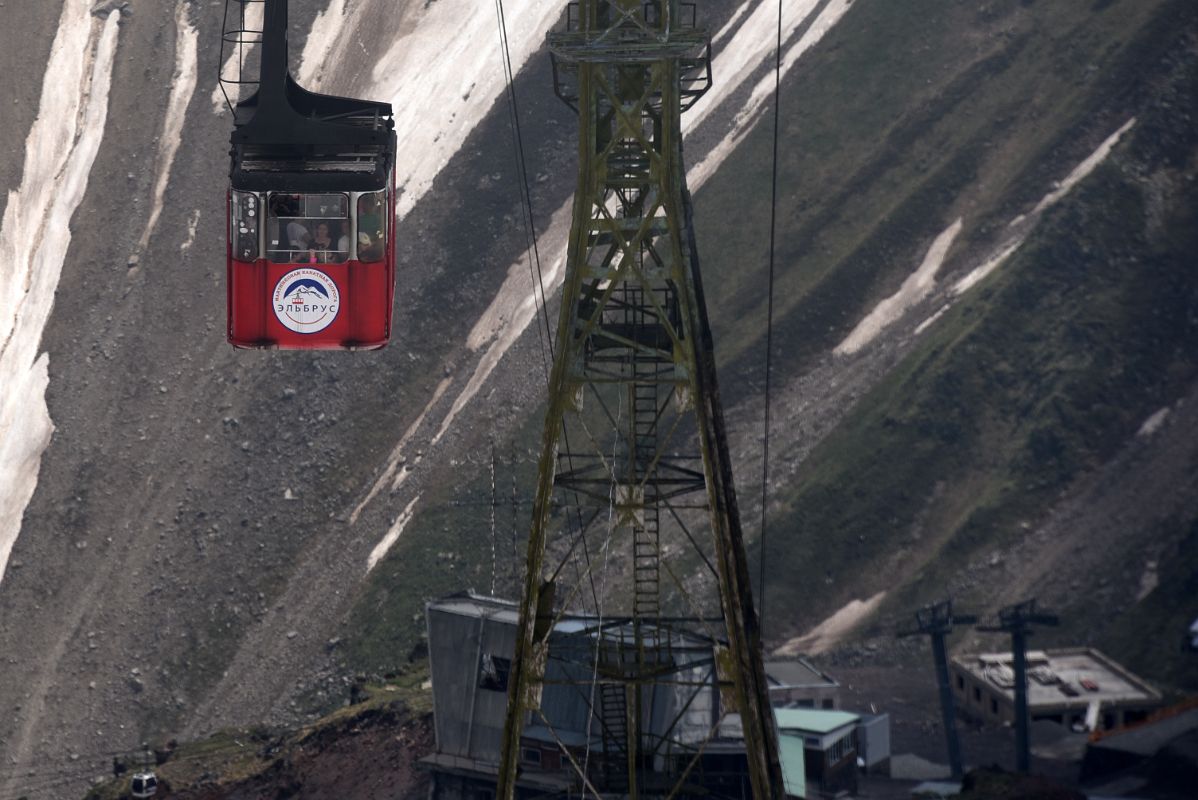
(636,562)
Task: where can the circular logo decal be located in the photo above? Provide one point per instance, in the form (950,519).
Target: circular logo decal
(306,300)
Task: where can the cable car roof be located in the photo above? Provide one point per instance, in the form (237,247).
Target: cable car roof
(286,138)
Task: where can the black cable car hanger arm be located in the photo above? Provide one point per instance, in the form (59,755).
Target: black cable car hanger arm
(283,130)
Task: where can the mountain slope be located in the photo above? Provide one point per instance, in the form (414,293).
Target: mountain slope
(207,544)
(1029,382)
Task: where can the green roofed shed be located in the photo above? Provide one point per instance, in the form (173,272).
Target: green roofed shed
(812,720)
(828,739)
(790,750)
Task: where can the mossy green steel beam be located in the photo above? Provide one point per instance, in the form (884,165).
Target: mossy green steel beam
(629,58)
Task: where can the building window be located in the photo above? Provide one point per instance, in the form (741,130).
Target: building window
(994,706)
(977,694)
(372,226)
(828,703)
(841,749)
(961,682)
(807,703)
(531,755)
(493,672)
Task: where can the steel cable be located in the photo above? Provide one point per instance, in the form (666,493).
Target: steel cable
(769,326)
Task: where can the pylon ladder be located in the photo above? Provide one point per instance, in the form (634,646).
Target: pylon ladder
(634,459)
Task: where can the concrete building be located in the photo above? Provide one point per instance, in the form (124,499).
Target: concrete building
(799,684)
(1077,687)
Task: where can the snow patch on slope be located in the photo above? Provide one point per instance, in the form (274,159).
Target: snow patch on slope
(1079,173)
(1022,226)
(1153,423)
(327,37)
(1083,170)
(917,286)
(743,56)
(444,77)
(34,237)
(183,86)
(930,321)
(730,25)
(397,457)
(514,307)
(516,303)
(193,223)
(392,536)
(828,633)
(992,263)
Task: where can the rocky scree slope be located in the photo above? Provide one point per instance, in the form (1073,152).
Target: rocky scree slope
(195,511)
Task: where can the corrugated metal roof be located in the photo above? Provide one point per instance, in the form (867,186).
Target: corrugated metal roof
(474,605)
(796,673)
(812,720)
(1147,739)
(477,605)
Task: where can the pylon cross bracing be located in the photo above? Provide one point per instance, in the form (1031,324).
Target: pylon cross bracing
(636,570)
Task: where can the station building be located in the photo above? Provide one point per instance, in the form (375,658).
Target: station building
(471,639)
(798,683)
(1076,687)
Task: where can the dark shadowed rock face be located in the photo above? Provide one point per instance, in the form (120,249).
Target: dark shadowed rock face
(995,784)
(364,754)
(1174,770)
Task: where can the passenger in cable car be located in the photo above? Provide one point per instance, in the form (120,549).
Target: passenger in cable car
(371,232)
(322,249)
(298,239)
(285,205)
(322,240)
(297,219)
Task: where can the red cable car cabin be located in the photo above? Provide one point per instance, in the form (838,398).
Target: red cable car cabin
(312,270)
(311,213)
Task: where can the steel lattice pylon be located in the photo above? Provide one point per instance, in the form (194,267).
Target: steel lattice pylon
(651,616)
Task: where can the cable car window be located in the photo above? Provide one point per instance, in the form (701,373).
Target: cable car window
(372,227)
(326,206)
(243,221)
(308,228)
